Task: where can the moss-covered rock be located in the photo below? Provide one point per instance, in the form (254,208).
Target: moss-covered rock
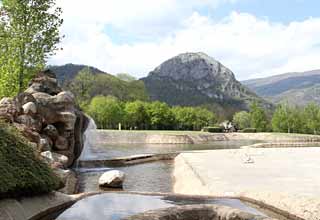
(21,172)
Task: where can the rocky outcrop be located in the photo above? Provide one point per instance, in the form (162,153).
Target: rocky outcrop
(48,117)
(196,79)
(112,179)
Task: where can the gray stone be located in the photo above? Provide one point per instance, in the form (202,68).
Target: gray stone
(113,179)
(8,109)
(61,143)
(51,131)
(31,122)
(45,143)
(29,108)
(69,179)
(51,157)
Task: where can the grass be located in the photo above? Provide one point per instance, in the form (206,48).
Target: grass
(21,173)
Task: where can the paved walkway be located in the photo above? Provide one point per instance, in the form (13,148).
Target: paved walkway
(286,178)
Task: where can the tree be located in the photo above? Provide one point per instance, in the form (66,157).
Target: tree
(82,86)
(161,116)
(106,111)
(136,115)
(30,31)
(204,118)
(287,119)
(185,117)
(312,118)
(258,117)
(242,119)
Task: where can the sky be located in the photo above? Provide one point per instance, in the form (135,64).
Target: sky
(254,38)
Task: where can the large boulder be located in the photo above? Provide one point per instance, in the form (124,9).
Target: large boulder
(112,179)
(47,116)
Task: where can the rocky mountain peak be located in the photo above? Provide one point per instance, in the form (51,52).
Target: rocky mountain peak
(190,66)
(196,79)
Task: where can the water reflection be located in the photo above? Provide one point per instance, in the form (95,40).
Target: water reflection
(114,206)
(148,177)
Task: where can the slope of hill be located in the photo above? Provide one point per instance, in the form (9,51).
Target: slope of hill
(197,79)
(98,82)
(69,71)
(297,88)
(300,97)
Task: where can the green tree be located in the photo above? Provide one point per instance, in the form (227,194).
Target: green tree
(258,117)
(161,116)
(30,32)
(136,115)
(312,118)
(82,86)
(287,119)
(242,119)
(204,118)
(106,111)
(185,117)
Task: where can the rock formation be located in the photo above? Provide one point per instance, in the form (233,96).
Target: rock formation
(48,118)
(197,79)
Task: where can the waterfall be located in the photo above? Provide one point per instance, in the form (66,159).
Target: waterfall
(89,140)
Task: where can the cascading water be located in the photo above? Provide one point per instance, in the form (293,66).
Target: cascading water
(89,138)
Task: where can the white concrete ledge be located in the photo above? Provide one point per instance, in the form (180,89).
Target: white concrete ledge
(285,179)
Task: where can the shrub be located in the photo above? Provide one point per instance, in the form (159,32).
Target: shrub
(249,130)
(21,173)
(213,129)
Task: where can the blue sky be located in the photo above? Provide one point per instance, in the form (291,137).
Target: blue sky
(254,38)
(274,10)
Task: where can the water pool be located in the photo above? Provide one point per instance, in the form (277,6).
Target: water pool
(114,206)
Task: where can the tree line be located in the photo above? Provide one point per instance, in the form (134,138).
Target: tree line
(108,112)
(286,119)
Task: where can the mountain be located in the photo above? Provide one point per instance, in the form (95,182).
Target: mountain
(69,71)
(299,88)
(97,82)
(192,79)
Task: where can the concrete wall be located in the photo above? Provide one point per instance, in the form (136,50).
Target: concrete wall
(152,137)
(47,206)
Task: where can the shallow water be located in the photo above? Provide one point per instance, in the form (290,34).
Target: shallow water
(114,206)
(147,177)
(108,151)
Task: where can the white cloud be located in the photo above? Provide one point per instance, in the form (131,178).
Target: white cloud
(248,45)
